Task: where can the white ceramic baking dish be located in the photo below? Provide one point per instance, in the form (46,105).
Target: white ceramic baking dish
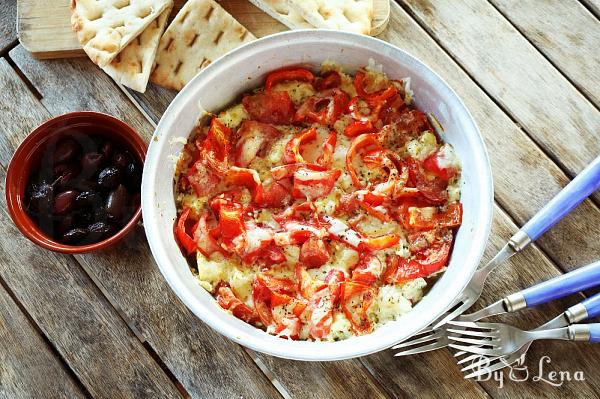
(245,68)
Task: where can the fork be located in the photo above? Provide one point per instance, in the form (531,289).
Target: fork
(558,287)
(433,337)
(587,309)
(498,339)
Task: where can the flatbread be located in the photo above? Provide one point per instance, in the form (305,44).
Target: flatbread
(348,15)
(105,27)
(282,12)
(132,66)
(201,32)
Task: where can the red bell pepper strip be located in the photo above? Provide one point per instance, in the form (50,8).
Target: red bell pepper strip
(357,298)
(323,108)
(363,141)
(368,269)
(283,75)
(321,316)
(329,80)
(206,243)
(374,98)
(227,300)
(425,263)
(327,150)
(379,243)
(215,148)
(314,253)
(291,153)
(248,178)
(253,137)
(311,185)
(284,171)
(359,127)
(185,239)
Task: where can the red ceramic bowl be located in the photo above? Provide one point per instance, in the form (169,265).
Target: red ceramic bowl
(31,150)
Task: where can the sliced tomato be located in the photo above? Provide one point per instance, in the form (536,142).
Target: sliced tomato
(311,185)
(231,223)
(327,150)
(276,195)
(359,127)
(363,141)
(433,188)
(321,316)
(270,107)
(425,262)
(439,164)
(282,75)
(202,180)
(323,108)
(357,298)
(330,80)
(253,138)
(379,243)
(206,243)
(284,171)
(368,269)
(292,149)
(215,148)
(181,231)
(248,178)
(227,300)
(314,253)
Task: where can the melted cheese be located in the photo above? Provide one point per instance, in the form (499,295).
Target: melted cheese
(422,147)
(233,116)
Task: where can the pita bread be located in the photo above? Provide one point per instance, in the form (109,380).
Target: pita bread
(201,32)
(348,15)
(132,66)
(281,11)
(105,27)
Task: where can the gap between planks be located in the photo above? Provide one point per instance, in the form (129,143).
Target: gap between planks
(543,54)
(504,109)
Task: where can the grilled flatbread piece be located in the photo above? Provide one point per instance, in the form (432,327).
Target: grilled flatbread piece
(282,12)
(201,32)
(348,15)
(105,27)
(132,66)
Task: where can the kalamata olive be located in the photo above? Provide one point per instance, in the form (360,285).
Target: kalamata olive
(65,174)
(99,230)
(88,198)
(100,214)
(74,236)
(64,202)
(41,195)
(91,163)
(65,223)
(121,159)
(84,219)
(116,202)
(106,149)
(133,176)
(85,185)
(110,177)
(66,150)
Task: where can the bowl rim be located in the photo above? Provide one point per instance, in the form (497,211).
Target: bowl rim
(13,197)
(293,349)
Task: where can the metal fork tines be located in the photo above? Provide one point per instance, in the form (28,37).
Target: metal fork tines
(497,339)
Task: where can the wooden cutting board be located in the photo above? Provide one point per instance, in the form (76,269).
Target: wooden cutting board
(44,26)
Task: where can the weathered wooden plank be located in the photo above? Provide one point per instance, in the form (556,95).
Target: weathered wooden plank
(85,329)
(567,34)
(8,24)
(525,179)
(28,367)
(190,349)
(517,76)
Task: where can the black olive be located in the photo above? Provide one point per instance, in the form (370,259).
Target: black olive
(99,230)
(121,159)
(66,150)
(100,214)
(133,176)
(88,198)
(74,236)
(64,202)
(116,202)
(84,219)
(65,174)
(41,196)
(85,185)
(91,163)
(109,178)
(65,223)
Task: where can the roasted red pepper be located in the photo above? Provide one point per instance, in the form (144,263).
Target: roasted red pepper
(181,231)
(270,107)
(283,75)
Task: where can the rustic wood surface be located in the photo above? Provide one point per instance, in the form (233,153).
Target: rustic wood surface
(107,324)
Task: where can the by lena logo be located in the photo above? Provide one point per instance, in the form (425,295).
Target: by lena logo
(518,372)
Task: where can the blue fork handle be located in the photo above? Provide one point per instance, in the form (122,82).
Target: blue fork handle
(594,332)
(584,184)
(592,306)
(563,285)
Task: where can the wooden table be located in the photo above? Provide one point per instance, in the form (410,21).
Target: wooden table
(107,324)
